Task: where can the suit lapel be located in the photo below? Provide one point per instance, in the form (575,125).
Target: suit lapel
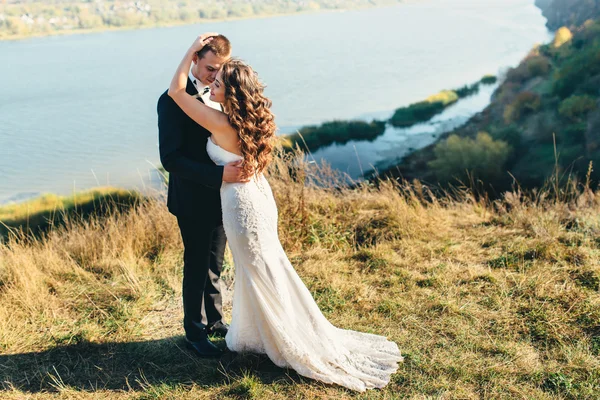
(191,90)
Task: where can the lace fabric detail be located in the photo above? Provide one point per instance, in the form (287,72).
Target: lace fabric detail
(273,311)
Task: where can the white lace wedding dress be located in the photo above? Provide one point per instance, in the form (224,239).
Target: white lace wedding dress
(273,311)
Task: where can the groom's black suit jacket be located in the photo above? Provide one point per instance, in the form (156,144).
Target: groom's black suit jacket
(194,179)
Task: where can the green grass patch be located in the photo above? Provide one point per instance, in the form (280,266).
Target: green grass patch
(587,279)
(369,260)
(42,213)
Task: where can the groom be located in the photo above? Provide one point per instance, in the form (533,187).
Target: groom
(193,197)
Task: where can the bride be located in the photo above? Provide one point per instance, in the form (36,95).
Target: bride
(273,311)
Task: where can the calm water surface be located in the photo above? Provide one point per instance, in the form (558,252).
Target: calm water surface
(80,111)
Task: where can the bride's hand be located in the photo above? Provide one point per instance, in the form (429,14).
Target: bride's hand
(202,40)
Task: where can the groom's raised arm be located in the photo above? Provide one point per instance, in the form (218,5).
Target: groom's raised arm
(170,143)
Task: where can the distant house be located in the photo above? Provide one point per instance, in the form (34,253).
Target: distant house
(27,19)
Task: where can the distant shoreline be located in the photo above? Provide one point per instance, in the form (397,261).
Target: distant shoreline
(16,38)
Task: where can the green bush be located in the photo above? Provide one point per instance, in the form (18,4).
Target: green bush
(415,113)
(572,134)
(467,90)
(523,104)
(576,70)
(587,35)
(489,80)
(423,110)
(571,155)
(519,74)
(538,66)
(481,158)
(532,66)
(576,107)
(511,135)
(339,132)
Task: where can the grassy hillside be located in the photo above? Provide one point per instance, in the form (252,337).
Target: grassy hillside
(486,300)
(545,116)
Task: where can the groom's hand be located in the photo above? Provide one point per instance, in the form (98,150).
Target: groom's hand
(232,173)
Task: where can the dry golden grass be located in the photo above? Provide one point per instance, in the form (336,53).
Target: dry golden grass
(486,300)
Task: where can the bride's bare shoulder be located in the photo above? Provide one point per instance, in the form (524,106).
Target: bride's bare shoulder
(227,139)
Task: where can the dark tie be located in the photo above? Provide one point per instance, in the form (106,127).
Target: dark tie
(206,89)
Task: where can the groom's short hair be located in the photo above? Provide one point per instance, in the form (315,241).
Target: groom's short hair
(220,46)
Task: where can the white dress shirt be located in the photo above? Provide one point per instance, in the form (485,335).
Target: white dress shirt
(200,88)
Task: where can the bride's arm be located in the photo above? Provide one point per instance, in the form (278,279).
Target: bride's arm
(213,120)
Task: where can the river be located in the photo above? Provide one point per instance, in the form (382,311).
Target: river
(80,111)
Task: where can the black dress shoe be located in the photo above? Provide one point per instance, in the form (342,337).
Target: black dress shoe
(204,348)
(219,329)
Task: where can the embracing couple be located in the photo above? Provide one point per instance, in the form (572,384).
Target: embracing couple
(216,135)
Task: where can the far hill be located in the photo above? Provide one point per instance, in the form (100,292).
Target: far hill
(570,13)
(545,115)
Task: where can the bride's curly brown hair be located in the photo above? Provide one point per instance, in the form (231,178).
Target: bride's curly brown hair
(248,110)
